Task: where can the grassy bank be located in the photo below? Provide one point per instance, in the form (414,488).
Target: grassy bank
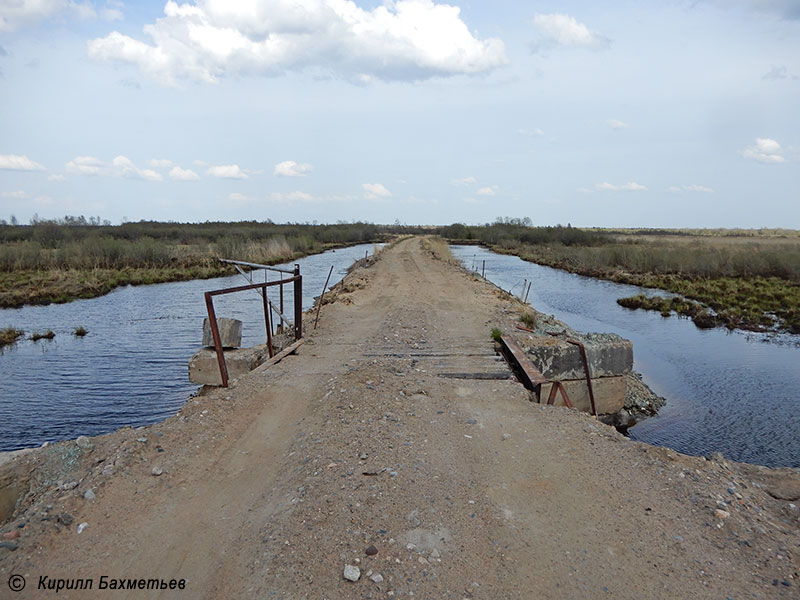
(747,280)
(61,261)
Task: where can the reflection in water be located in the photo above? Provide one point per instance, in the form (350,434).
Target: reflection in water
(737,393)
(131,369)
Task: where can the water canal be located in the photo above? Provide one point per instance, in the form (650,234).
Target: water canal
(733,392)
(131,369)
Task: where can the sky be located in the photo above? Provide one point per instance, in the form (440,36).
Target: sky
(646,113)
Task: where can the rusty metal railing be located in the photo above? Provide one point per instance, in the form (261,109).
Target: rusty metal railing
(297,283)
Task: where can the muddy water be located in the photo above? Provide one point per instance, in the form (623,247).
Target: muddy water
(131,369)
(736,393)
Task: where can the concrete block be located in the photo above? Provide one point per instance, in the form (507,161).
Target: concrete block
(204,368)
(230,333)
(608,355)
(609,394)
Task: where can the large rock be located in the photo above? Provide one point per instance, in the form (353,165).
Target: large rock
(230,333)
(204,368)
(609,394)
(608,355)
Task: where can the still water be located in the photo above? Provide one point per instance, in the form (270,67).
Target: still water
(733,392)
(131,369)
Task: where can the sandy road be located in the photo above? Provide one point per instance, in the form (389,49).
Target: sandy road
(463,487)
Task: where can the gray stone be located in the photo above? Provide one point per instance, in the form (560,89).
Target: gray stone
(157,471)
(84,443)
(204,367)
(89,495)
(352,573)
(608,355)
(376,578)
(9,545)
(65,519)
(230,333)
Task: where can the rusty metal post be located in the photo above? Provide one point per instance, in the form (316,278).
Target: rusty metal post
(212,319)
(324,287)
(267,322)
(280,323)
(298,303)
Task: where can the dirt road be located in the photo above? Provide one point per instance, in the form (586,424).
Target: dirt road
(362,451)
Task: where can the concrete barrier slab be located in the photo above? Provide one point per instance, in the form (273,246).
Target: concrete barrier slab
(230,333)
(609,394)
(204,368)
(608,355)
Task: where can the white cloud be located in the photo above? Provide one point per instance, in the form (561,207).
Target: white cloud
(213,39)
(615,124)
(677,189)
(121,166)
(56,177)
(375,190)
(765,150)
(160,163)
(631,186)
(86,165)
(226,172)
(124,167)
(464,181)
(487,191)
(19,194)
(290,168)
(562,30)
(17,162)
(179,174)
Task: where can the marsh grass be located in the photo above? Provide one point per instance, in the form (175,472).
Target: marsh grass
(748,279)
(528,319)
(9,335)
(47,335)
(496,334)
(80,331)
(61,261)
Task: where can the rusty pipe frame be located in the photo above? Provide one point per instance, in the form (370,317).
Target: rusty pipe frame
(297,280)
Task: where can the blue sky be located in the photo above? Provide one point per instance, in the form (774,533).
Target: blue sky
(631,114)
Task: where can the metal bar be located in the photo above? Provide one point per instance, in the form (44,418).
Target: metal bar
(324,287)
(483,270)
(558,387)
(268,324)
(242,288)
(254,265)
(585,361)
(212,319)
(298,303)
(530,376)
(280,312)
(243,273)
(528,292)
